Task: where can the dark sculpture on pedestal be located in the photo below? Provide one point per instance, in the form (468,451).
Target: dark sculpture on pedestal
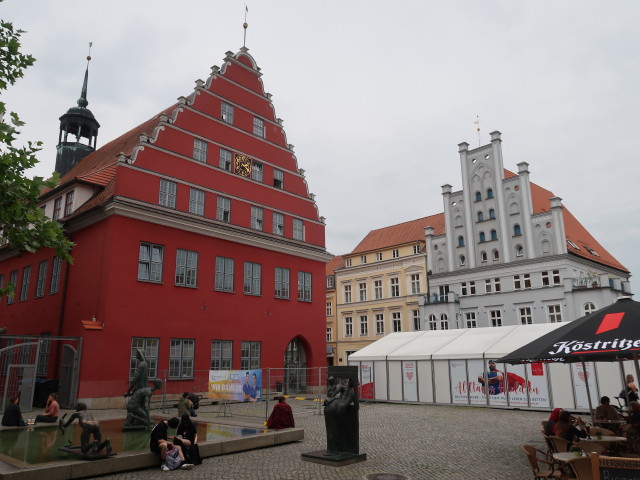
(138,395)
(341,420)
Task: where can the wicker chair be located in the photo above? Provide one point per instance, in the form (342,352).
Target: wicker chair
(559,444)
(542,465)
(581,467)
(589,446)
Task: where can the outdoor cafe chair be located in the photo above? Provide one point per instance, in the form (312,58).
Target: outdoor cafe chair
(589,446)
(602,430)
(551,448)
(581,467)
(542,468)
(559,444)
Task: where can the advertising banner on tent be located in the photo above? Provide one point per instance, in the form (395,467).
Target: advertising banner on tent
(459,383)
(537,385)
(497,374)
(580,379)
(237,385)
(366,380)
(475,383)
(409,381)
(517,390)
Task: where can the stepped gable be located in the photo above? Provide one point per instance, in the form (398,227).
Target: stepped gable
(400,234)
(334,264)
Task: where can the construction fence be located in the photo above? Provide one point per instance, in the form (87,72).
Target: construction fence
(304,388)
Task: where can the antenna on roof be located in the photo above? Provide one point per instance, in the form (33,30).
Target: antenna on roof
(245,25)
(477,123)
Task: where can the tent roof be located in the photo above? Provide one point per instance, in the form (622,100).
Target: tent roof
(519,337)
(379,349)
(422,347)
(468,343)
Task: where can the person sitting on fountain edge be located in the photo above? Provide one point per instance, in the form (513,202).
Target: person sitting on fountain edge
(159,443)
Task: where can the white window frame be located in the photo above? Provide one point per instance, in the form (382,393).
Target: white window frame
(258,127)
(379,323)
(181,358)
(252,278)
(186,268)
(378,256)
(470,319)
(329,309)
(42,278)
(226,159)
(348,326)
(416,320)
(221,354)
(554,313)
(55,276)
(223,209)
(396,321)
(68,203)
(226,112)
(278,179)
(525,316)
(364,326)
(298,229)
(224,274)
(415,283)
(282,282)
(395,253)
(196,202)
(394,286)
(278,224)
(199,150)
(495,317)
(362,291)
(257,171)
(304,286)
(150,255)
(257,218)
(347,293)
(167,194)
(377,289)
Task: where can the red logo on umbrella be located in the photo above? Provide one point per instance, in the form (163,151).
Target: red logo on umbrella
(611,321)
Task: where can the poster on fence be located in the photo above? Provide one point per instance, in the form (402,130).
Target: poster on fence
(366,380)
(238,385)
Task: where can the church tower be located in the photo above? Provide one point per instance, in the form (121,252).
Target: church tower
(80,123)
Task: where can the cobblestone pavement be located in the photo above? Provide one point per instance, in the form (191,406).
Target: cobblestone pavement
(421,442)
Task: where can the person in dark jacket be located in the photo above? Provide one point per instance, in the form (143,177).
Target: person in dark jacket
(281,416)
(12,416)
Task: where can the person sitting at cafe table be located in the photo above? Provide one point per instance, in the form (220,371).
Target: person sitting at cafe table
(605,411)
(566,427)
(551,423)
(633,422)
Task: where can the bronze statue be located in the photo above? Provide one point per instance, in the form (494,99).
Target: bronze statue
(139,394)
(89,427)
(138,405)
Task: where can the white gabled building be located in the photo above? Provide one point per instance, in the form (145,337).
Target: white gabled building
(511,253)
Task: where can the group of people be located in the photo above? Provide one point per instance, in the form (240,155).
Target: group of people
(12,416)
(562,424)
(182,451)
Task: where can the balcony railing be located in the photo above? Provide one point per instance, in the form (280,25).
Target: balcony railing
(586,282)
(435,299)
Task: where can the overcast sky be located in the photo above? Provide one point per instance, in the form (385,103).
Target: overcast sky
(375,95)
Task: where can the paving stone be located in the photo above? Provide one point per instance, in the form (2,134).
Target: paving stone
(420,442)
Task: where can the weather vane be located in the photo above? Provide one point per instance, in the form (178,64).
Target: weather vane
(477,124)
(89,56)
(245,25)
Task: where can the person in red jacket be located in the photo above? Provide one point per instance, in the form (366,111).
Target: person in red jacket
(282,416)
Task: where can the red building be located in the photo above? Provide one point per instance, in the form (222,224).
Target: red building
(196,238)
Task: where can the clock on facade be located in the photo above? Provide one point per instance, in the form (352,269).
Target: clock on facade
(243,165)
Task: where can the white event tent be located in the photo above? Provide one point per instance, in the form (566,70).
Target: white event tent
(450,367)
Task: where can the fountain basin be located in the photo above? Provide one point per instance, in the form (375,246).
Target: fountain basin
(216,439)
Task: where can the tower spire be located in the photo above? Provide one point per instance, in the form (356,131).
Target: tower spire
(245,25)
(78,134)
(82,101)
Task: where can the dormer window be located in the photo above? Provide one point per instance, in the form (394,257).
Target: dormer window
(571,244)
(68,204)
(57,208)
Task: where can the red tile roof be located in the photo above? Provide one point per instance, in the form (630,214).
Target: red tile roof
(400,234)
(334,264)
(99,168)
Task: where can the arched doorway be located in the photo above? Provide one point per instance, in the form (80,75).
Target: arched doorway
(295,368)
